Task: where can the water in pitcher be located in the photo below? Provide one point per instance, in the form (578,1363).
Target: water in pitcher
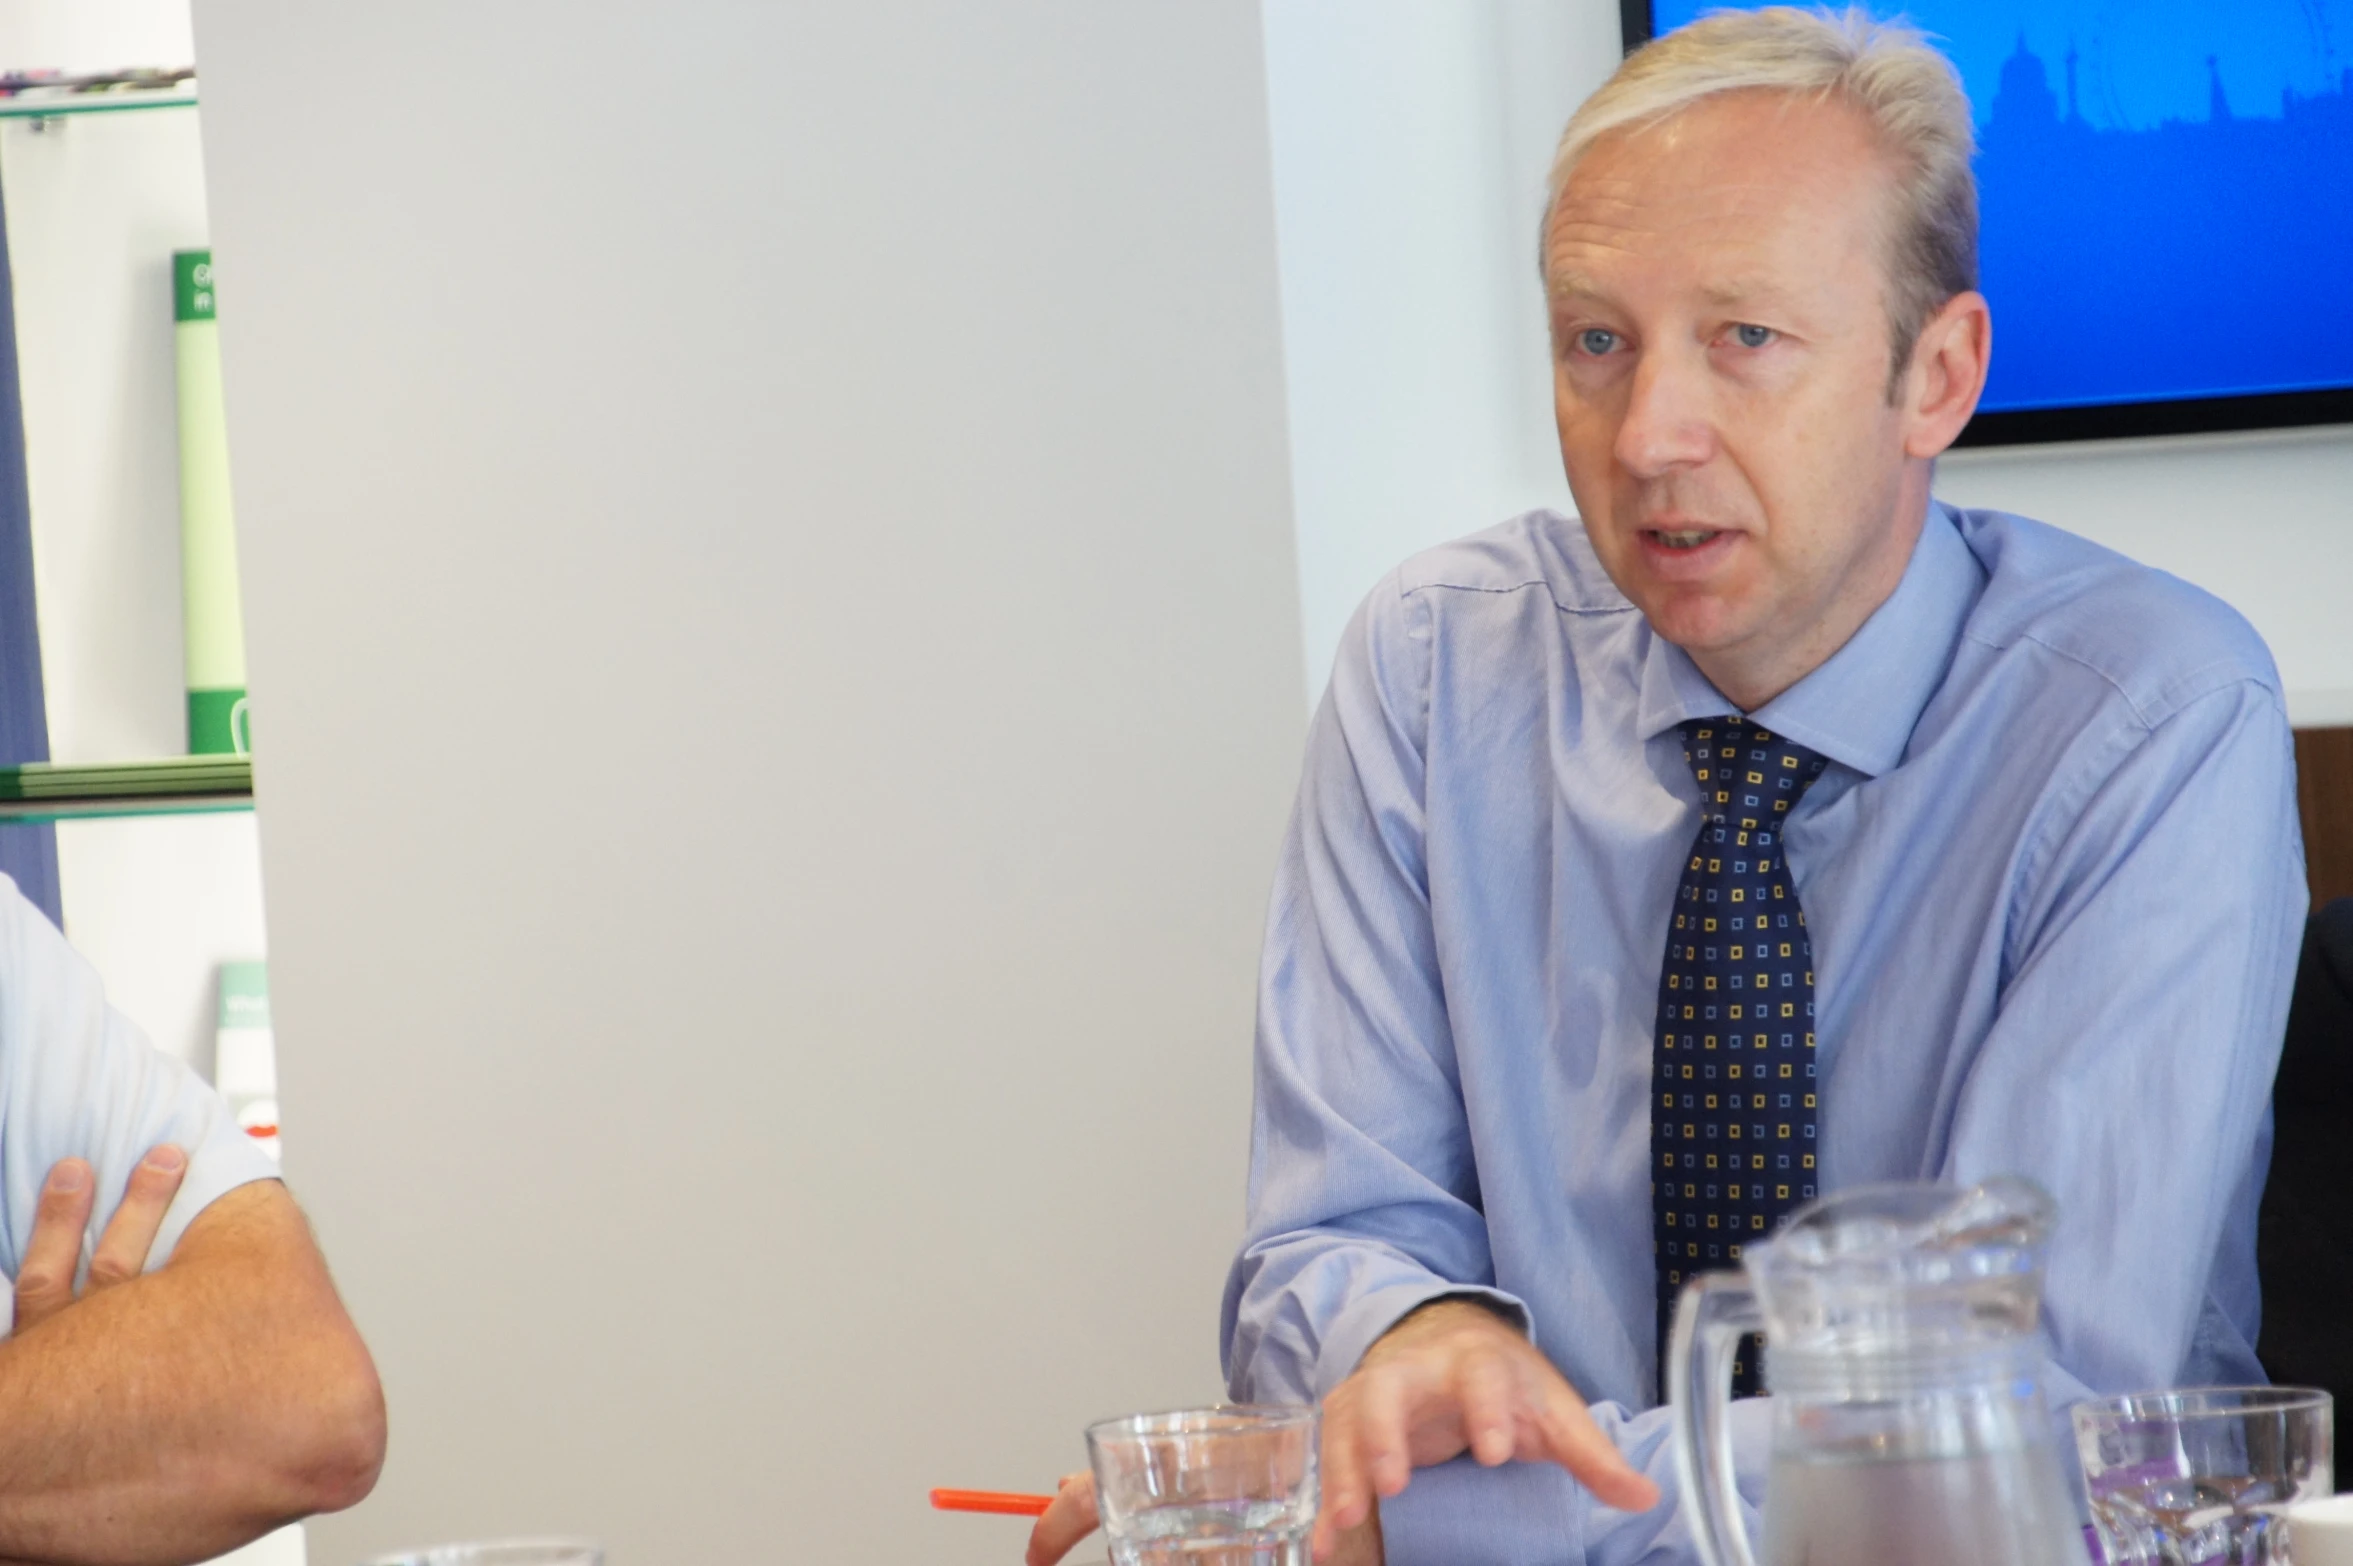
(1985,1509)
(1264,1533)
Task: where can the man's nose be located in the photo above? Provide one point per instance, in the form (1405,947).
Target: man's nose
(1670,416)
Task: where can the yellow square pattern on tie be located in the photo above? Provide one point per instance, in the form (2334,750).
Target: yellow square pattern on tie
(1738,947)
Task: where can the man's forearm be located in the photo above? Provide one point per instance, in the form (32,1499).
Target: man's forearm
(182,1413)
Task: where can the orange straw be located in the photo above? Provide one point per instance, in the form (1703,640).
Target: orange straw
(999,1501)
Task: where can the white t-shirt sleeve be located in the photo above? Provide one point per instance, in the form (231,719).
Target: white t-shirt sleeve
(77,1079)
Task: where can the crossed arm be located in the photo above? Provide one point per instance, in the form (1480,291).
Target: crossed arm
(168,1416)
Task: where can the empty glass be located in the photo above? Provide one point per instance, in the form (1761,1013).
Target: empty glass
(501,1552)
(2202,1475)
(1232,1486)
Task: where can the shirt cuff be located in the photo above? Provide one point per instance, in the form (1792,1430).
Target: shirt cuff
(1360,1325)
(1534,1514)
(1459,1514)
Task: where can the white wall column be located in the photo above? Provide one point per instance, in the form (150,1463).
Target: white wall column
(769,573)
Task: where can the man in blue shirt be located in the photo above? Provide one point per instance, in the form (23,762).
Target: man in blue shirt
(2047,859)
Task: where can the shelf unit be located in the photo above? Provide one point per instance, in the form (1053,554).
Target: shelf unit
(29,106)
(47,96)
(180,785)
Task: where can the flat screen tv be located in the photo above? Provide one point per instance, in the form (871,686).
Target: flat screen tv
(2167,208)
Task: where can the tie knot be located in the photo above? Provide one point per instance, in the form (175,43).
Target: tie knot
(1746,773)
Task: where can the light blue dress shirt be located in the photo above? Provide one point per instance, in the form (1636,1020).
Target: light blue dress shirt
(2055,887)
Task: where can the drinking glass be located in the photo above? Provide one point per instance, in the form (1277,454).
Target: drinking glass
(1233,1486)
(501,1552)
(2203,1475)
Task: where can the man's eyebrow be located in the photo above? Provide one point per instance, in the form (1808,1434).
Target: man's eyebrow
(1564,286)
(1745,290)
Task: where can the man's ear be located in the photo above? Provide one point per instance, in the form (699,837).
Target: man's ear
(1947,374)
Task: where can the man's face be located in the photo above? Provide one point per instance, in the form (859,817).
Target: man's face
(1720,354)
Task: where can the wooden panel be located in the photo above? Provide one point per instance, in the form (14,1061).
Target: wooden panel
(2324,798)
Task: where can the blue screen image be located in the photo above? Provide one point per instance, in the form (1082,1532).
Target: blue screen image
(2166,192)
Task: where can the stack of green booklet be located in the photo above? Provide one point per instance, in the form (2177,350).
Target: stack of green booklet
(176,775)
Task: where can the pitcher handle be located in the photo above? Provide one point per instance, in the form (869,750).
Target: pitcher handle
(1715,1311)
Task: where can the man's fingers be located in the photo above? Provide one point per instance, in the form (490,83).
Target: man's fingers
(1575,1442)
(1486,1391)
(45,1280)
(1381,1435)
(1449,1377)
(130,1233)
(1070,1519)
(1343,1490)
(1345,1498)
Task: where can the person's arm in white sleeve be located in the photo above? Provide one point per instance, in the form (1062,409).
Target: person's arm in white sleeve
(182,1412)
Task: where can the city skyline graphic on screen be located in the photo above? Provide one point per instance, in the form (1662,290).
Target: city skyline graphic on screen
(2166,188)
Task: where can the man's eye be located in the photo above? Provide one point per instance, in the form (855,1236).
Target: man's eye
(1596,340)
(1752,336)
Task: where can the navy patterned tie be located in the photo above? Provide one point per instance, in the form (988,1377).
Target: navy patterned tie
(1732,1111)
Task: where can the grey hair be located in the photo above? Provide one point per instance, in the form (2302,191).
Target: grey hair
(1889,71)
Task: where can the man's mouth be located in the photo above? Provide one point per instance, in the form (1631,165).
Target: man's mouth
(1683,538)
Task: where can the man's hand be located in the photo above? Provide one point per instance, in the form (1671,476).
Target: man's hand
(1072,1517)
(53,1253)
(1455,1377)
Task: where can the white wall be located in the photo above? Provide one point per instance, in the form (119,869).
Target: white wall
(93,35)
(1410,144)
(95,206)
(819,471)
(158,903)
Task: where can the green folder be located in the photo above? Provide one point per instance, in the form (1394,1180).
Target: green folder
(174,776)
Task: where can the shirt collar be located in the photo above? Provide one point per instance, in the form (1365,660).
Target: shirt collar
(1859,707)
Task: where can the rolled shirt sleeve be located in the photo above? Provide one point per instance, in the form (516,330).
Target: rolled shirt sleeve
(1364,1197)
(78,1079)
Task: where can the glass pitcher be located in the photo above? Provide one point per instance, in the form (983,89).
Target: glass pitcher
(1903,1358)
